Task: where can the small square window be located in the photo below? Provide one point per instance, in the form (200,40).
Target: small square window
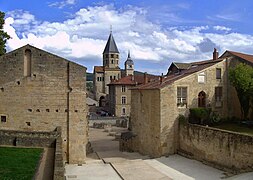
(3,118)
(28,123)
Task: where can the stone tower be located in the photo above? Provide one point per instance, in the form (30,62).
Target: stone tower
(111,54)
(129,65)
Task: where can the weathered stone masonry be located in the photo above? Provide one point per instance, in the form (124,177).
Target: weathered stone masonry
(40,91)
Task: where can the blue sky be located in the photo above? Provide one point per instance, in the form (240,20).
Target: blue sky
(156,32)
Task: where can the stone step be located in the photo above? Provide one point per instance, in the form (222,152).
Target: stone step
(138,169)
(174,174)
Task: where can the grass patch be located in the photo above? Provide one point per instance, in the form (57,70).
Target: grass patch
(18,163)
(235,127)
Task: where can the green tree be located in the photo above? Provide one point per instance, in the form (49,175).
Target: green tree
(3,35)
(241,78)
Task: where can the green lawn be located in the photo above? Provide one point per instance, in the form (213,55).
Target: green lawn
(18,163)
(235,127)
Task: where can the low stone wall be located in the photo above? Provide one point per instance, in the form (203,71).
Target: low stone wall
(37,139)
(58,158)
(26,138)
(222,149)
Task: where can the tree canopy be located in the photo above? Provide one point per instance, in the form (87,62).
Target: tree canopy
(241,78)
(3,35)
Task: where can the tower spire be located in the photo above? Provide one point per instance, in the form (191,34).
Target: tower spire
(110,29)
(128,56)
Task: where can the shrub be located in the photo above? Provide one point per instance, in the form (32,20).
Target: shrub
(199,115)
(181,118)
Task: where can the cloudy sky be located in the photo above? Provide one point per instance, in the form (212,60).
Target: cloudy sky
(156,32)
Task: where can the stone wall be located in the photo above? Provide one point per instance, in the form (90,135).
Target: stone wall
(223,149)
(145,111)
(37,139)
(52,95)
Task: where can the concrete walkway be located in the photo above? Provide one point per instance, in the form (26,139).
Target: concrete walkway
(108,163)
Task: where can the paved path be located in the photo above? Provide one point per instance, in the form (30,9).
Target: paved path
(108,163)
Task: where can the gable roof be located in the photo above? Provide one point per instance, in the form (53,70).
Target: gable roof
(246,57)
(111,45)
(195,67)
(182,66)
(28,46)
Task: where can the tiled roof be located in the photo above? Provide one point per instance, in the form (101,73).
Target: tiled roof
(246,57)
(198,66)
(133,80)
(98,69)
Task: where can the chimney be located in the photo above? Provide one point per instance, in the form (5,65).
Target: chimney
(215,54)
(145,78)
(161,79)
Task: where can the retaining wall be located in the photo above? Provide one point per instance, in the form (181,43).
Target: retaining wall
(223,149)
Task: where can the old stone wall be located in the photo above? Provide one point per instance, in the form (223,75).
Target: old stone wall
(221,148)
(145,111)
(52,95)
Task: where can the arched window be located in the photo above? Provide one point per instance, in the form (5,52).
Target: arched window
(202,99)
(27,62)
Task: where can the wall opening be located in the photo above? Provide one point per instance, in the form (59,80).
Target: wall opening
(27,63)
(202,99)
(3,118)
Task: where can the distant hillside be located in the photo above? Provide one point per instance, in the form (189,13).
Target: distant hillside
(89,76)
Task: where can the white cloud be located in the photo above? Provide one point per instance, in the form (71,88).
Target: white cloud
(85,35)
(221,28)
(62,4)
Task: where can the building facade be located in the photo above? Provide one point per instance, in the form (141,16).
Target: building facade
(156,106)
(41,91)
(120,92)
(110,71)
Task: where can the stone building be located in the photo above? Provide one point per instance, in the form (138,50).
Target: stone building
(155,106)
(120,92)
(110,70)
(41,91)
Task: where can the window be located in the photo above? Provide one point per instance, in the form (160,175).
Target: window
(97,78)
(123,88)
(218,96)
(201,77)
(110,78)
(114,77)
(218,73)
(181,96)
(3,119)
(123,100)
(103,79)
(117,56)
(112,56)
(123,111)
(27,63)
(107,55)
(112,61)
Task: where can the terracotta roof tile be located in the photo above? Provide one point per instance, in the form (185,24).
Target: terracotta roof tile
(246,57)
(98,68)
(133,80)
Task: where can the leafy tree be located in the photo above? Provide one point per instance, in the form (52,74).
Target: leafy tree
(3,35)
(241,78)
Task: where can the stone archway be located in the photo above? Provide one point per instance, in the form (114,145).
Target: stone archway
(202,99)
(102,101)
